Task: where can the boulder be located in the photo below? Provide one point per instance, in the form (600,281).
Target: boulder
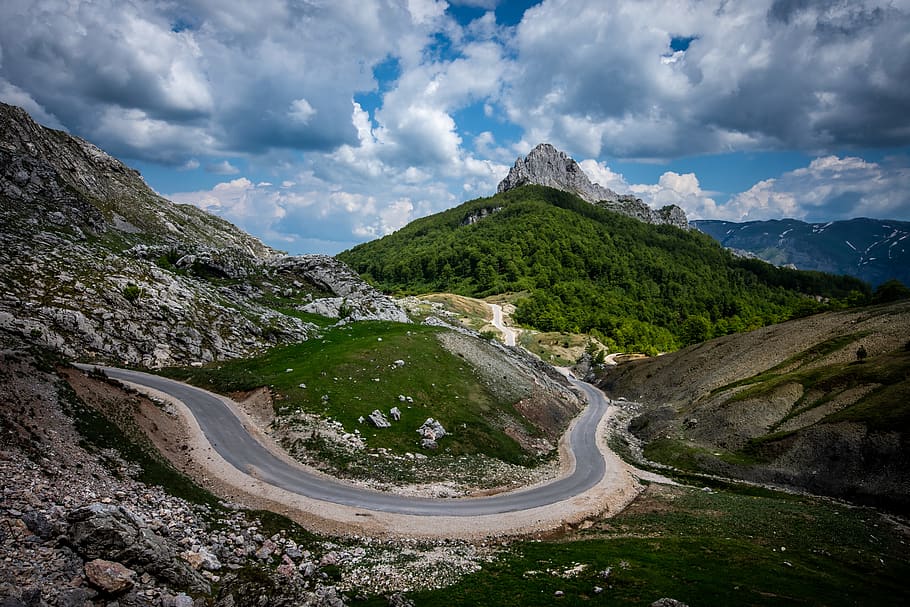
(431,429)
(378,419)
(111,532)
(109,576)
(395,414)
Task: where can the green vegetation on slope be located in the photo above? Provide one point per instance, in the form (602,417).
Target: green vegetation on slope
(702,548)
(352,370)
(588,270)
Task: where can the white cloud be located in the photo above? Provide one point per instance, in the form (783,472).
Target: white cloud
(222,168)
(599,172)
(596,77)
(301,111)
(831,187)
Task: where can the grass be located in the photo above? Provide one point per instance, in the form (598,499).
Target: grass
(352,370)
(562,349)
(781,371)
(703,548)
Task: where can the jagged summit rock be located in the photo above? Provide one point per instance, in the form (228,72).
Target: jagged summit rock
(547,166)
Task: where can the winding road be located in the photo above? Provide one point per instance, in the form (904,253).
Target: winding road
(508,333)
(231,440)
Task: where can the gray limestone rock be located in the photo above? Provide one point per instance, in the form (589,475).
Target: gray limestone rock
(431,430)
(110,532)
(378,419)
(547,166)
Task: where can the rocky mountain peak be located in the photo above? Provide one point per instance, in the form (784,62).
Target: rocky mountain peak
(547,166)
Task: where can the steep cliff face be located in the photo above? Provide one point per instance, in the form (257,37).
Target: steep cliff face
(545,165)
(93,263)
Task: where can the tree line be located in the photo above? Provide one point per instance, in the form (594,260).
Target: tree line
(582,268)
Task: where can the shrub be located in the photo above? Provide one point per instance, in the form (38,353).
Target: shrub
(131,292)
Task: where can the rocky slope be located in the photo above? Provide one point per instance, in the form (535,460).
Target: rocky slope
(547,166)
(93,263)
(874,250)
(790,404)
(91,515)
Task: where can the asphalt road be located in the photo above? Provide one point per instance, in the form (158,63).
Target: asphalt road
(231,440)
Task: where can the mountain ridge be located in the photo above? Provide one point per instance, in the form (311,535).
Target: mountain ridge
(873,250)
(584,267)
(94,264)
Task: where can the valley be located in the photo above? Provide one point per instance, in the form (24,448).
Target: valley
(207,421)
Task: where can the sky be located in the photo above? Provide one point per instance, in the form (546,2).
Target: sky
(319,124)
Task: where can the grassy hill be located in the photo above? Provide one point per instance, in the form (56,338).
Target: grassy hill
(818,403)
(586,269)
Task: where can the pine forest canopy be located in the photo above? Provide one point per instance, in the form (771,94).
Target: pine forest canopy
(585,269)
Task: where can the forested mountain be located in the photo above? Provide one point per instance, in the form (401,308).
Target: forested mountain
(586,269)
(874,250)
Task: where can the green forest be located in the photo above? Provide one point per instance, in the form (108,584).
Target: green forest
(581,268)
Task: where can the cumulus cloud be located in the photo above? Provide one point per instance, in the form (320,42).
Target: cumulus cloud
(602,78)
(246,77)
(831,187)
(277,83)
(222,168)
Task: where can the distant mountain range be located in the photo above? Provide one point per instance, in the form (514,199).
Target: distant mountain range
(873,250)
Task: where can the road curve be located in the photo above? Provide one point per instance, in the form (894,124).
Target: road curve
(227,435)
(508,333)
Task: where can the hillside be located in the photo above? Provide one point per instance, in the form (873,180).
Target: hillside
(587,269)
(873,250)
(94,264)
(791,404)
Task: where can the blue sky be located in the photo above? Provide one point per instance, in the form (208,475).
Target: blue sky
(317,125)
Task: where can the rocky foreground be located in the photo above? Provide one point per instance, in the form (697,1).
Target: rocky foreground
(81,526)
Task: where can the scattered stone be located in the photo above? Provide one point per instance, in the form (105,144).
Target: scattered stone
(378,419)
(598,590)
(266,550)
(395,414)
(400,600)
(668,602)
(559,593)
(109,576)
(431,431)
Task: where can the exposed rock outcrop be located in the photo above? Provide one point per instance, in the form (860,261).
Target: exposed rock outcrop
(95,264)
(356,300)
(547,166)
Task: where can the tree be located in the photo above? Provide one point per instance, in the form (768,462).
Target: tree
(695,330)
(889,291)
(861,354)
